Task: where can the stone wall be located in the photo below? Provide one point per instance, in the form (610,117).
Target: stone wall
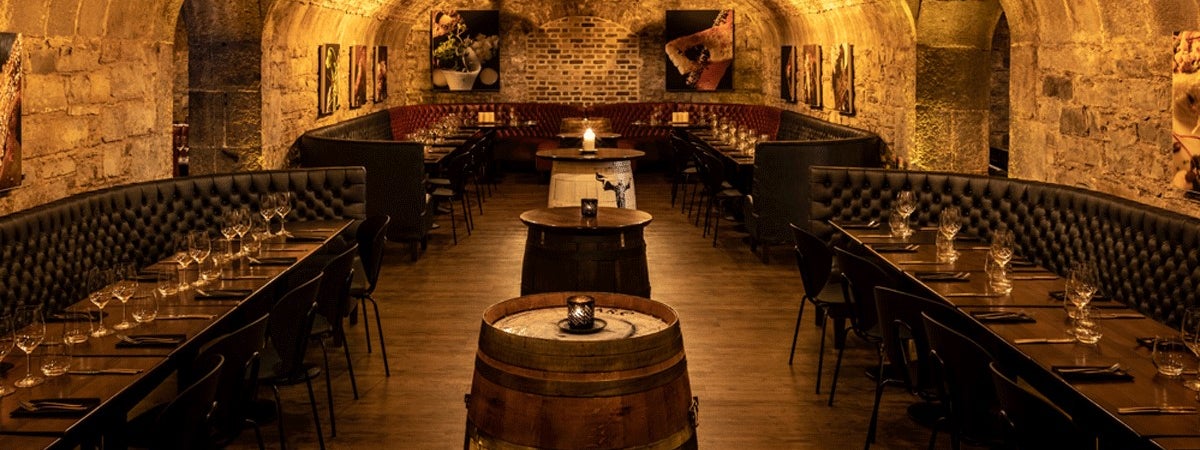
(583,61)
(97,104)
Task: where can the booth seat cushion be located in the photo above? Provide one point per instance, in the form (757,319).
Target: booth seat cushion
(1147,257)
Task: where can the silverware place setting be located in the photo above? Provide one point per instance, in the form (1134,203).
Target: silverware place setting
(105,372)
(1158,410)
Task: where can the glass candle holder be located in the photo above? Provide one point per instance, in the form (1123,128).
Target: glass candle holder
(588,207)
(581,311)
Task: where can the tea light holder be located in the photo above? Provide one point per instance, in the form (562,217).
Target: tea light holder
(581,312)
(588,207)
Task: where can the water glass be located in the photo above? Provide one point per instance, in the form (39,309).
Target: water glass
(145,308)
(945,249)
(899,224)
(997,277)
(1086,327)
(56,357)
(77,328)
(7,344)
(210,269)
(1189,334)
(1169,356)
(950,221)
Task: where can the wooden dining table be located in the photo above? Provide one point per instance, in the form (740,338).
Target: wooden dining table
(1094,405)
(141,368)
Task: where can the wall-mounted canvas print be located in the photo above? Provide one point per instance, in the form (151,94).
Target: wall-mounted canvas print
(358,75)
(465,50)
(12,58)
(1185,114)
(327,68)
(699,50)
(381,73)
(843,79)
(812,75)
(787,74)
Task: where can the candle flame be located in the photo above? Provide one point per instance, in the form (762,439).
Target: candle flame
(589,134)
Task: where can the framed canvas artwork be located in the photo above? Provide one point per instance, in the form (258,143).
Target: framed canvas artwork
(699,51)
(464,50)
(381,73)
(843,79)
(812,76)
(358,76)
(327,68)
(12,59)
(787,74)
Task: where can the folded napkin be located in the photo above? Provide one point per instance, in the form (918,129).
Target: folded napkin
(1062,295)
(874,224)
(943,276)
(73,316)
(222,294)
(895,248)
(45,407)
(1091,373)
(152,340)
(1158,410)
(273,261)
(305,238)
(1002,317)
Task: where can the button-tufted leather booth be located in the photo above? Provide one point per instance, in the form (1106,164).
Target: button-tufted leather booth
(45,251)
(1147,257)
(397,170)
(779,194)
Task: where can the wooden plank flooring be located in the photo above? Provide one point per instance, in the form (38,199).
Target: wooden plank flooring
(736,315)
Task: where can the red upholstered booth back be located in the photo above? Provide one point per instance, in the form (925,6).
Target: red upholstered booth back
(548,116)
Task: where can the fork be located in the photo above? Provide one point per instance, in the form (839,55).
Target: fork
(44,405)
(1113,368)
(146,340)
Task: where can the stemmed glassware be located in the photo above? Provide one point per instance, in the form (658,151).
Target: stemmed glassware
(1189,331)
(199,247)
(949,222)
(7,343)
(229,222)
(29,335)
(97,287)
(242,224)
(1000,253)
(183,259)
(266,208)
(283,206)
(906,203)
(126,285)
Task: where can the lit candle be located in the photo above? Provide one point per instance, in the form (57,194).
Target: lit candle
(581,310)
(589,140)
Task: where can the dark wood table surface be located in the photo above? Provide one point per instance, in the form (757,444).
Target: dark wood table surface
(600,155)
(569,218)
(118,392)
(1095,405)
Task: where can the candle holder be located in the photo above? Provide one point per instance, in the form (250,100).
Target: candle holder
(589,141)
(581,312)
(588,207)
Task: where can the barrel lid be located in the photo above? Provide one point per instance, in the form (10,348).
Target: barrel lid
(538,317)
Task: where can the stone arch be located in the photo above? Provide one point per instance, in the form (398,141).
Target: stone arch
(954,42)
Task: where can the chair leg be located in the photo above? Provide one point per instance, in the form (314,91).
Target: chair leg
(258,435)
(837,368)
(796,332)
(879,383)
(387,371)
(350,368)
(279,418)
(329,390)
(717,224)
(312,400)
(821,357)
(362,304)
(453,223)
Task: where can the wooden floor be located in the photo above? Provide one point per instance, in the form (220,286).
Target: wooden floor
(736,314)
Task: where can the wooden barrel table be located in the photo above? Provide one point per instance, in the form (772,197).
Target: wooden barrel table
(565,251)
(606,175)
(540,385)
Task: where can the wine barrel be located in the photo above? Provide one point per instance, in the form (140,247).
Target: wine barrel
(567,252)
(540,385)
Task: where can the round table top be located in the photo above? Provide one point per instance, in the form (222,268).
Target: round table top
(569,218)
(649,323)
(599,135)
(601,154)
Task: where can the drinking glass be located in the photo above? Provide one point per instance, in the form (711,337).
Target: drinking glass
(906,203)
(183,259)
(1189,332)
(898,224)
(98,281)
(1168,357)
(7,343)
(950,221)
(1002,246)
(199,247)
(229,224)
(266,208)
(77,328)
(242,225)
(1086,327)
(123,289)
(145,308)
(56,355)
(997,276)
(1082,282)
(283,206)
(29,334)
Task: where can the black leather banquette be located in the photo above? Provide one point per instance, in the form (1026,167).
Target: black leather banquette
(1147,257)
(779,193)
(397,168)
(46,251)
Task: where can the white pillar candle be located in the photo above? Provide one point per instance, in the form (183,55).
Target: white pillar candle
(589,140)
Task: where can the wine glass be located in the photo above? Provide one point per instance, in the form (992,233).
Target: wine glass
(266,208)
(906,203)
(949,223)
(1189,331)
(183,259)
(283,206)
(1002,246)
(229,224)
(31,331)
(97,287)
(7,343)
(242,225)
(1082,283)
(123,289)
(199,247)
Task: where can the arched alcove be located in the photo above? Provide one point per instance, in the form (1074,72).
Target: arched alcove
(999,110)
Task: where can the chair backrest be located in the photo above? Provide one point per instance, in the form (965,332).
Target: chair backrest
(859,279)
(814,259)
(238,383)
(290,325)
(184,423)
(904,339)
(333,298)
(1034,422)
(372,238)
(971,397)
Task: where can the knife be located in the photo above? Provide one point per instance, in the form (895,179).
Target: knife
(105,372)
(1034,277)
(1158,410)
(187,317)
(973,294)
(1044,341)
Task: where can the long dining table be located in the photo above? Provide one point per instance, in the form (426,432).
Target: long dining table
(114,376)
(1042,341)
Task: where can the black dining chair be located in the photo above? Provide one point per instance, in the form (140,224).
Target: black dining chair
(453,187)
(288,330)
(962,367)
(333,305)
(182,424)
(1032,422)
(814,260)
(906,349)
(860,277)
(372,240)
(238,386)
